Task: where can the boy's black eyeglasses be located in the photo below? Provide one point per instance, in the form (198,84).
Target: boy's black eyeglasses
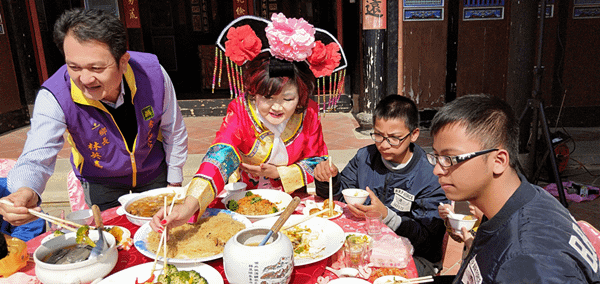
(392,140)
(448,161)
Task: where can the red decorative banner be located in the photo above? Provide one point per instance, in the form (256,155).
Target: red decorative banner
(374,15)
(132,14)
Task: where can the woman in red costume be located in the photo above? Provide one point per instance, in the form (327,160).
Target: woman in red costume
(271,136)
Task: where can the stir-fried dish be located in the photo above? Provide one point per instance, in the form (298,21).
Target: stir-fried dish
(252,204)
(148,206)
(302,238)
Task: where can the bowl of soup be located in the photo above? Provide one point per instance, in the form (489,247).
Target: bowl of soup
(458,221)
(140,207)
(83,270)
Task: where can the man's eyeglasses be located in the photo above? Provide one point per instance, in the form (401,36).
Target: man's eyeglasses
(448,161)
(392,140)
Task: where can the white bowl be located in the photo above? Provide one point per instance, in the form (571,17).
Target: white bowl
(127,199)
(81,272)
(355,195)
(82,217)
(236,186)
(458,222)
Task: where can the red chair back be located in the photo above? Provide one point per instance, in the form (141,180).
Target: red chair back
(592,233)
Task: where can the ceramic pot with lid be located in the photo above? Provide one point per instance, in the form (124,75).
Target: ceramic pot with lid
(246,262)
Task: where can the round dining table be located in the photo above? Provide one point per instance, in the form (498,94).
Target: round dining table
(310,273)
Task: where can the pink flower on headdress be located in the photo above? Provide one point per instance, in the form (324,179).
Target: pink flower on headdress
(324,58)
(290,39)
(242,44)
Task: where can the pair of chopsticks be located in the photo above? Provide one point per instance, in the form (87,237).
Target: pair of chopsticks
(163,238)
(424,279)
(71,226)
(305,218)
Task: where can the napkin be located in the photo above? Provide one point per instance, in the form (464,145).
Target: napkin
(391,251)
(20,278)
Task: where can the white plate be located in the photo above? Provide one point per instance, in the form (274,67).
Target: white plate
(279,198)
(330,237)
(388,279)
(141,236)
(142,272)
(319,205)
(348,280)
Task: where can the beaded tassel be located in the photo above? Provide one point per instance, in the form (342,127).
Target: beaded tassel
(220,66)
(229,79)
(215,70)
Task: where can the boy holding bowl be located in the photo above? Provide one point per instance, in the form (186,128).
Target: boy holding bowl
(399,179)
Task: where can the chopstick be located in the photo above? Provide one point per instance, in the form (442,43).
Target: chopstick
(305,219)
(54,220)
(163,237)
(330,189)
(424,279)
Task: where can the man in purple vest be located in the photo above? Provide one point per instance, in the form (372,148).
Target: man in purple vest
(120,113)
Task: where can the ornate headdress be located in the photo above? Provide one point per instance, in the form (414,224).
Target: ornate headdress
(287,40)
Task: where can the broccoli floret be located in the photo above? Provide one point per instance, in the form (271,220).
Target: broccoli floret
(274,209)
(255,199)
(58,233)
(233,205)
(249,193)
(82,236)
(195,277)
(171,269)
(163,279)
(181,277)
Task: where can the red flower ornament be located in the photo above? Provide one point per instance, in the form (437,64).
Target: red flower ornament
(324,58)
(242,44)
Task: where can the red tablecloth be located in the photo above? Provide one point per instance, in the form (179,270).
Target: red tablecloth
(302,274)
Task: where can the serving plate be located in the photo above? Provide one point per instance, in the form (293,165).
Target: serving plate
(140,238)
(279,198)
(142,273)
(327,237)
(319,205)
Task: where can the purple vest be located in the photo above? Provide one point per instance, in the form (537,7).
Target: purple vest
(100,153)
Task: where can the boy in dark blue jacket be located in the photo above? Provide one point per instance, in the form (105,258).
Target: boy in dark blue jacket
(399,179)
(526,235)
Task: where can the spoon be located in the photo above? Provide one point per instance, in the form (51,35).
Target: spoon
(343,272)
(450,213)
(281,220)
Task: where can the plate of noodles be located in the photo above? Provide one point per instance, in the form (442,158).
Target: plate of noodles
(312,240)
(193,243)
(257,204)
(141,272)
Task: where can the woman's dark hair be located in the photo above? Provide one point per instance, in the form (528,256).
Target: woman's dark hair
(89,25)
(259,80)
(398,107)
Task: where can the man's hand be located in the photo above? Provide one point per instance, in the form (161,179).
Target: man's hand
(23,199)
(323,171)
(264,170)
(376,205)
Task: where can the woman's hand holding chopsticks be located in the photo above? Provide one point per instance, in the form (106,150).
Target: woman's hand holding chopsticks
(180,214)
